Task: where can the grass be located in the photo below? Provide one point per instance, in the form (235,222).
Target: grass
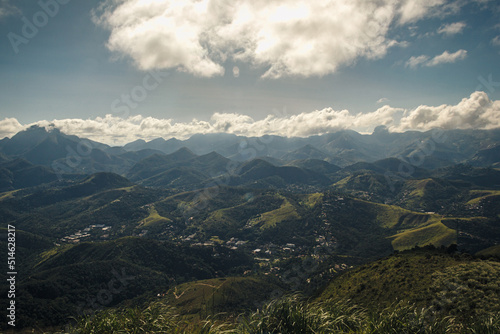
(269,219)
(405,276)
(156,318)
(7,195)
(227,215)
(51,253)
(388,216)
(127,189)
(436,234)
(312,200)
(199,299)
(467,289)
(482,194)
(421,291)
(419,186)
(153,218)
(391,216)
(291,315)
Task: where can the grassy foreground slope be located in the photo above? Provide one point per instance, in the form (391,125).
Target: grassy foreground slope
(454,284)
(427,291)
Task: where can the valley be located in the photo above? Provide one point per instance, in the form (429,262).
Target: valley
(200,223)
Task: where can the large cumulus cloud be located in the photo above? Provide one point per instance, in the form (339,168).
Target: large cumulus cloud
(474,112)
(286,37)
(9,126)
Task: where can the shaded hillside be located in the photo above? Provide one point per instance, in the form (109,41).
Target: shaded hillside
(232,295)
(429,194)
(19,173)
(486,157)
(477,177)
(396,167)
(368,185)
(318,166)
(430,150)
(306,152)
(187,171)
(73,280)
(261,174)
(40,146)
(106,199)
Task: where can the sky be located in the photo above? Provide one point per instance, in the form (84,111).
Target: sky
(120,70)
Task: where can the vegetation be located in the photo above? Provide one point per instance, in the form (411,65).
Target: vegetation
(179,238)
(292,315)
(436,234)
(269,219)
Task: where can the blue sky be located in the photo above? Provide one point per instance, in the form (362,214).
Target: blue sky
(206,66)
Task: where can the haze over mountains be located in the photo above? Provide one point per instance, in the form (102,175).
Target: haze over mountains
(203,157)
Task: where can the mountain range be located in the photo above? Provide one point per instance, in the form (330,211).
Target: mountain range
(36,156)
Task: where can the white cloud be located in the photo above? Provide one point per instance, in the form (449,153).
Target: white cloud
(9,127)
(414,10)
(452,28)
(117,131)
(383,100)
(447,57)
(7,9)
(496,41)
(444,58)
(236,72)
(415,62)
(474,112)
(286,38)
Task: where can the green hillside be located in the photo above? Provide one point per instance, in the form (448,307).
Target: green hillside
(153,219)
(480,195)
(436,234)
(426,291)
(232,295)
(458,285)
(269,219)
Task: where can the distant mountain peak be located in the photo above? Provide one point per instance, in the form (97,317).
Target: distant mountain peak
(380,130)
(213,154)
(183,153)
(157,140)
(307,151)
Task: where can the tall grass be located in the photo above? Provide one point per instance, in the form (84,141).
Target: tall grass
(293,314)
(156,318)
(290,315)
